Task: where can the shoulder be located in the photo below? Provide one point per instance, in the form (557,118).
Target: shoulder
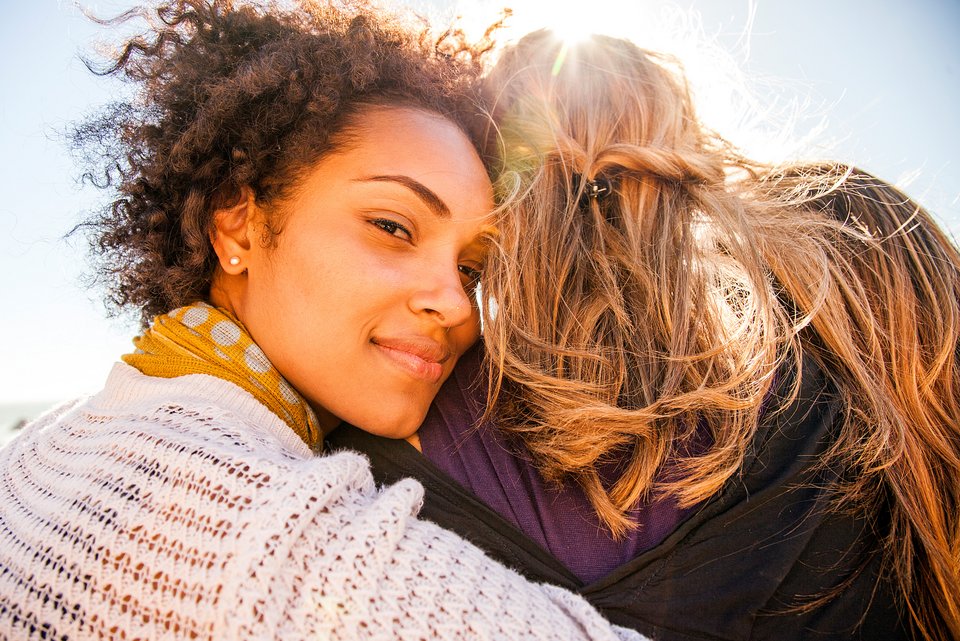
(198,409)
(203,494)
(801,421)
(202,442)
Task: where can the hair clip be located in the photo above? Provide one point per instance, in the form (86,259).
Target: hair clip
(596,189)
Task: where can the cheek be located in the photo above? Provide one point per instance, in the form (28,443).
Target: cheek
(464,336)
(336,277)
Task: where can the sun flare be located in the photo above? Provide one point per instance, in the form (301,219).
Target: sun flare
(762,120)
(571,23)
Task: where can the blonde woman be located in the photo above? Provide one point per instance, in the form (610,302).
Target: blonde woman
(299,216)
(898,355)
(698,400)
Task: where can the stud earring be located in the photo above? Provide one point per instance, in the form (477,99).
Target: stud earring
(234,260)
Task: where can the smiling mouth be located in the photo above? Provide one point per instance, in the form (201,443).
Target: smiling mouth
(422,359)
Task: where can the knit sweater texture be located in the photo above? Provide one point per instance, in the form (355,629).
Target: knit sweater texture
(184,509)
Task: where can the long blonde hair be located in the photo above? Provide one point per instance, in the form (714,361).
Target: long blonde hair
(639,323)
(891,336)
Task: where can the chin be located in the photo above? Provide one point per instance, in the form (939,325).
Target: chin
(402,423)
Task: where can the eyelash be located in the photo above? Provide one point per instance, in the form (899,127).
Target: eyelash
(392,227)
(472,275)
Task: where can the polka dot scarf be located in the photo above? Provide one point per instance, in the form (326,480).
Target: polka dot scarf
(200,339)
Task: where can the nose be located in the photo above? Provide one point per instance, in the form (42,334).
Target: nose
(441,295)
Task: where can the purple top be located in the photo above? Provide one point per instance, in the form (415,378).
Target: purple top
(560,519)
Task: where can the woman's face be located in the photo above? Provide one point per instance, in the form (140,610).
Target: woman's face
(364,302)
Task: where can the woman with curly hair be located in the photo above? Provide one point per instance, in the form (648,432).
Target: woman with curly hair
(701,397)
(300,215)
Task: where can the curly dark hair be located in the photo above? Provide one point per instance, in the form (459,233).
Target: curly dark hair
(230,94)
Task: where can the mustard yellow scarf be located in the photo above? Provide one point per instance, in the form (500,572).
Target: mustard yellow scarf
(201,339)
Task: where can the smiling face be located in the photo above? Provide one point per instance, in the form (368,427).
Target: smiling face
(364,300)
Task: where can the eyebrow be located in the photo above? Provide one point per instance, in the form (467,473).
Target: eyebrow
(429,198)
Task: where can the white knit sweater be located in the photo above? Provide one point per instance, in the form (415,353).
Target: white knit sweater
(183,509)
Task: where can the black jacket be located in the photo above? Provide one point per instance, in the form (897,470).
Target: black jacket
(735,569)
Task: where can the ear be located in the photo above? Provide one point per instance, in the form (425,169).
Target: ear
(231,232)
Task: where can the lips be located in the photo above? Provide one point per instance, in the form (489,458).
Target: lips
(422,358)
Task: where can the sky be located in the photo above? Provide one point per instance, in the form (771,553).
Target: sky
(874,82)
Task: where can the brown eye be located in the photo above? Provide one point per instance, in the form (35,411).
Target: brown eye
(470,277)
(393,228)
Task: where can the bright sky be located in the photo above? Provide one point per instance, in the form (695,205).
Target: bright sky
(881,74)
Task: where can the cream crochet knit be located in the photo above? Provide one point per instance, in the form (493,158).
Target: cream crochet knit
(183,509)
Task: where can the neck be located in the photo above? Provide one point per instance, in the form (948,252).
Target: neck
(226,292)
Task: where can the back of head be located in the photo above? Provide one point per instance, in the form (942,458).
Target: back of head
(646,288)
(575,100)
(629,295)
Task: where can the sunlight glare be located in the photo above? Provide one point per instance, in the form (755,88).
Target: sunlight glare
(764,117)
(571,25)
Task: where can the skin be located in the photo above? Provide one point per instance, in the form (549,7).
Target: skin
(364,301)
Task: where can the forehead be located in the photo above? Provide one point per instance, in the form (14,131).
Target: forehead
(423,147)
(410,138)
